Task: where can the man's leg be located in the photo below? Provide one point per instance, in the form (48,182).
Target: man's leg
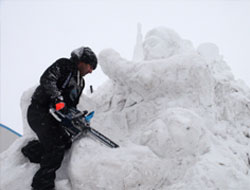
(33,151)
(50,136)
(51,161)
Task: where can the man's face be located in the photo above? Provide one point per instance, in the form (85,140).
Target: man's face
(84,68)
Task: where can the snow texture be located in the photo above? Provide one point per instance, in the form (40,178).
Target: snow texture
(181,119)
(78,52)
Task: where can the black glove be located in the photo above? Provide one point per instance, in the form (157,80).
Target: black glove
(85,112)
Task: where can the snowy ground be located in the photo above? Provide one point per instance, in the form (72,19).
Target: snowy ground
(180,117)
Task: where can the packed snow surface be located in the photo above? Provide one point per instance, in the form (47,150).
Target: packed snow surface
(181,119)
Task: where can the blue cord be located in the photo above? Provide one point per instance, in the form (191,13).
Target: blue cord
(11,130)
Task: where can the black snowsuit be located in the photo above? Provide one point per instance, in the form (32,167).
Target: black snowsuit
(62,78)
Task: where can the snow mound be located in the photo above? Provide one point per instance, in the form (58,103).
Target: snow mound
(180,118)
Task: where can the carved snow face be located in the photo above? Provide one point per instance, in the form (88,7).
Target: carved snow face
(160,43)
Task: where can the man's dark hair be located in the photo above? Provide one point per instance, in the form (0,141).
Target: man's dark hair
(86,55)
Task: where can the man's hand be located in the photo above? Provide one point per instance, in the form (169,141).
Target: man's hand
(59,103)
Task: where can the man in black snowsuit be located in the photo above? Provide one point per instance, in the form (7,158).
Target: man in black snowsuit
(60,87)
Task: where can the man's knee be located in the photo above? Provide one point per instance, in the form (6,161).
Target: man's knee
(33,151)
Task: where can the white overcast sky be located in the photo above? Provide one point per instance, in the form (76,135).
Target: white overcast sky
(34,33)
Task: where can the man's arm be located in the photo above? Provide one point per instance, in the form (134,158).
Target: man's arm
(50,78)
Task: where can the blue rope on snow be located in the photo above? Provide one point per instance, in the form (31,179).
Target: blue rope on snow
(11,130)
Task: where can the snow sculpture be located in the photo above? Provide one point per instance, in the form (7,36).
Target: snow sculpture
(181,119)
